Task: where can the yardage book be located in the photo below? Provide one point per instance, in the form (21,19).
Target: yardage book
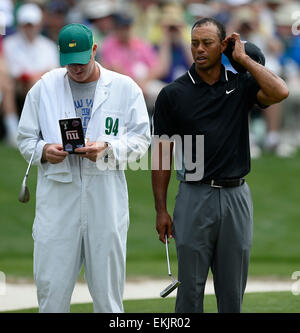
(72,134)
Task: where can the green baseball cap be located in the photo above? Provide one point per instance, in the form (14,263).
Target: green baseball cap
(75,43)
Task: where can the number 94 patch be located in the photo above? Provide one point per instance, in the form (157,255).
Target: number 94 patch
(111,123)
(111,126)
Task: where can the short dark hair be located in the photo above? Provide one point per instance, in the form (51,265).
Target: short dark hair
(218,24)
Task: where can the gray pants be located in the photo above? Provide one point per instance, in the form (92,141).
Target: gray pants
(212,229)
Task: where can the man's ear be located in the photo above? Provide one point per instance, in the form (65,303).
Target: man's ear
(95,47)
(224,44)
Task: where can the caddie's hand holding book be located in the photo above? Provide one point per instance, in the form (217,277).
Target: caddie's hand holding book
(72,134)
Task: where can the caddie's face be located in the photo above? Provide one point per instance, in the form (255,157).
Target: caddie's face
(84,73)
(206,46)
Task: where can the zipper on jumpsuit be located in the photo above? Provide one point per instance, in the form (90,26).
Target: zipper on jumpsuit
(80,175)
(81,196)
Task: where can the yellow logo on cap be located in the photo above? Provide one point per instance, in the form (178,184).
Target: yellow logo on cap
(72,44)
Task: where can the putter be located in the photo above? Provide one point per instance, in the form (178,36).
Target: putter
(24,194)
(175,283)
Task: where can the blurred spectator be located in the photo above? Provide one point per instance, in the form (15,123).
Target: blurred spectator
(272,47)
(7,103)
(146,14)
(100,14)
(195,11)
(6,9)
(285,25)
(54,18)
(27,53)
(74,14)
(173,49)
(266,11)
(175,10)
(290,61)
(127,54)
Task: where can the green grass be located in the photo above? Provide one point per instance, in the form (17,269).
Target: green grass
(275,189)
(272,302)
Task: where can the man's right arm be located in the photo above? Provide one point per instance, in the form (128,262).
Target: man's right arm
(29,127)
(29,132)
(162,149)
(161,173)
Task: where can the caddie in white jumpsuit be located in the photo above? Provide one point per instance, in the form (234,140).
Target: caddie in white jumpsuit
(82,213)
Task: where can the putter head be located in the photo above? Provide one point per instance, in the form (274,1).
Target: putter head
(175,283)
(24,195)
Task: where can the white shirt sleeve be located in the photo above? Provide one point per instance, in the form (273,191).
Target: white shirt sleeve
(29,128)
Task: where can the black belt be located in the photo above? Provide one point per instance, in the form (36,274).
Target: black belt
(224,183)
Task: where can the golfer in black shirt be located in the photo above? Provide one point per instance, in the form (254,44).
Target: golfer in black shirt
(207,111)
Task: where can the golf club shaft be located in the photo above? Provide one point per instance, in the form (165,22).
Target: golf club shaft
(168,259)
(31,159)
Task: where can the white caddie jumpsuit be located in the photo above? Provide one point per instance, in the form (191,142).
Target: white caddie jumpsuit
(82,212)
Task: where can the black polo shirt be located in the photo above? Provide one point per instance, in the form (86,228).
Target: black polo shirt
(219,112)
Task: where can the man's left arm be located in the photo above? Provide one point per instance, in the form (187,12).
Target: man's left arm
(134,138)
(272,88)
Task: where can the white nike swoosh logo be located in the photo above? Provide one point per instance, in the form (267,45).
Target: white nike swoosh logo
(229,91)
